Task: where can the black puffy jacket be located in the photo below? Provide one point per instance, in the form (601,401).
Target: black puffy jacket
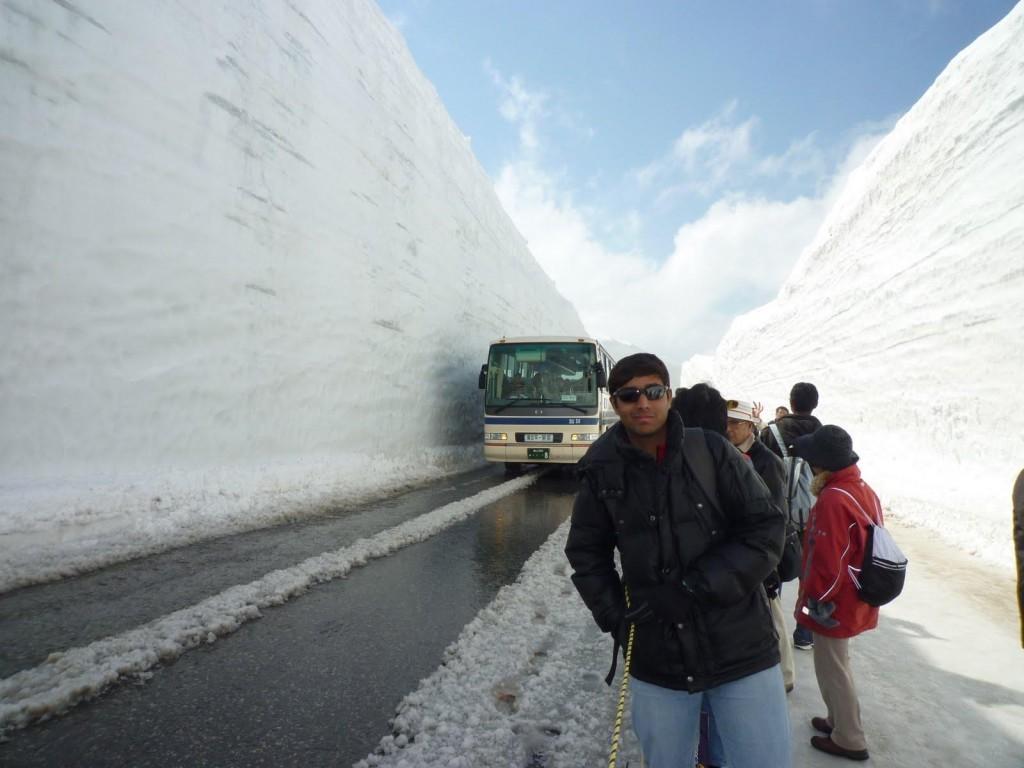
(772,470)
(667,529)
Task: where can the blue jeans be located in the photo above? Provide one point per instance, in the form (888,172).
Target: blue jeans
(751,719)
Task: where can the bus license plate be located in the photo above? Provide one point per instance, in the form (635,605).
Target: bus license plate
(539,437)
(537,453)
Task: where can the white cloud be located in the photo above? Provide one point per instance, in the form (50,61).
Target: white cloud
(802,157)
(734,257)
(521,106)
(681,305)
(703,156)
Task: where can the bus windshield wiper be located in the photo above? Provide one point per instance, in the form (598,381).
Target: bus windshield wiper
(539,401)
(519,402)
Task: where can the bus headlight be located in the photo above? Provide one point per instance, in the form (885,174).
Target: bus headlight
(495,435)
(585,437)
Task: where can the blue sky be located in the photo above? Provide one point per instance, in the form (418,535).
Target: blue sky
(691,144)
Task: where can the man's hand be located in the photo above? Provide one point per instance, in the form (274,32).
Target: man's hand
(640,613)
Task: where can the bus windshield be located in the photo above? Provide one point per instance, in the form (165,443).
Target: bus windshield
(541,373)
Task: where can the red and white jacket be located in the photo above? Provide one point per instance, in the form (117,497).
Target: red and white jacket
(834,543)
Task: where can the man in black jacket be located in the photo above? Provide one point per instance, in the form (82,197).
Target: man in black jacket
(803,399)
(697,533)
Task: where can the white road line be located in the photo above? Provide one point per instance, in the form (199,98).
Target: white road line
(78,674)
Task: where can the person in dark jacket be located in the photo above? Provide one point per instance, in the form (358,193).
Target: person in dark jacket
(1018,539)
(693,559)
(701,406)
(743,435)
(803,399)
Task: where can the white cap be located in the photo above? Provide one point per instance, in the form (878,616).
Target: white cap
(741,410)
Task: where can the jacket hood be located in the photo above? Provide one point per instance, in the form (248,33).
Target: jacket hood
(850,474)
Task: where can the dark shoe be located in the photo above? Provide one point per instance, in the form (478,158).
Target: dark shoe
(825,744)
(803,638)
(821,724)
(789,688)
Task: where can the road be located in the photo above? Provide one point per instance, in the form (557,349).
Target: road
(315,680)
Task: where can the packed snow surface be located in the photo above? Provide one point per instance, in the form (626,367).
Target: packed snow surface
(246,255)
(77,674)
(906,310)
(939,681)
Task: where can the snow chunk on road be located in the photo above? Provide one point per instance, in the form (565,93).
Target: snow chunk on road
(67,678)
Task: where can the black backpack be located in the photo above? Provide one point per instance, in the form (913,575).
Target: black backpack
(884,568)
(698,457)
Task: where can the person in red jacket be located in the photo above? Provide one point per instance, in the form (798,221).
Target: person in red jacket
(828,603)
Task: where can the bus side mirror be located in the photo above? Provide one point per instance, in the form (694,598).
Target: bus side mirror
(602,377)
(481,383)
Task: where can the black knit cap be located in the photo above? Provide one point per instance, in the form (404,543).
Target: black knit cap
(829,447)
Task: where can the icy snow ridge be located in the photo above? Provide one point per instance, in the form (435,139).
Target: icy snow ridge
(240,247)
(906,308)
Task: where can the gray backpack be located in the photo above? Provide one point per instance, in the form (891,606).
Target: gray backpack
(798,483)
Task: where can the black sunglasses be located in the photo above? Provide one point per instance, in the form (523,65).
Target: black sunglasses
(632,394)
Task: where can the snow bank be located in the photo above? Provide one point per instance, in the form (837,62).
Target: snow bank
(245,251)
(78,674)
(522,686)
(519,686)
(906,308)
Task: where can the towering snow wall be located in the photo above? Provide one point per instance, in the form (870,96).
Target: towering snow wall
(907,310)
(244,249)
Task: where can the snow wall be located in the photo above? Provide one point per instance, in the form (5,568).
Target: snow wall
(246,255)
(907,310)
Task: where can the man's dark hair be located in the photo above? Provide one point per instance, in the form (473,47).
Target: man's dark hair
(803,397)
(640,364)
(701,406)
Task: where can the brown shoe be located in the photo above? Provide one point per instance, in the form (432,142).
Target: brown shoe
(825,744)
(821,724)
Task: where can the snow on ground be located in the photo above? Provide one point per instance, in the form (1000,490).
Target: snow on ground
(78,674)
(906,309)
(250,268)
(53,532)
(940,680)
(524,679)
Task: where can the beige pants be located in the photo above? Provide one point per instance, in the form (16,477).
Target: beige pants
(785,641)
(835,680)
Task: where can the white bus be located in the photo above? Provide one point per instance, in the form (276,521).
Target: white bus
(545,399)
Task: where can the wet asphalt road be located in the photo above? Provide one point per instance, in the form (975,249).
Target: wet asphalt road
(312,683)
